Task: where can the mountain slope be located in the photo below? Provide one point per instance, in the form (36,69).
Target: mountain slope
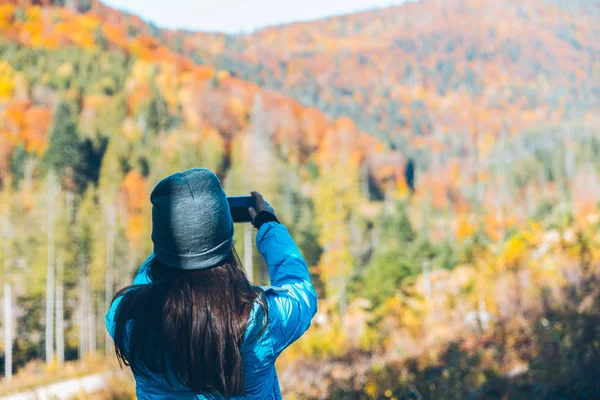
(99,57)
(430,67)
(443,83)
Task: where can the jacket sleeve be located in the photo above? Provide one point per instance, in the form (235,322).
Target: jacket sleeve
(141,278)
(292,302)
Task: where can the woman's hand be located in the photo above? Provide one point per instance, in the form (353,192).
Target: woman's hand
(261,206)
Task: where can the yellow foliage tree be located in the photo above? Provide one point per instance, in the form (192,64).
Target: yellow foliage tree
(337,196)
(7,80)
(6,14)
(464,227)
(135,192)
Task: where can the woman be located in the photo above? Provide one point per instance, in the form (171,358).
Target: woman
(191,326)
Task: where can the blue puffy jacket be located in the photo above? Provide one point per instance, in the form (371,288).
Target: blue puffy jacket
(291,302)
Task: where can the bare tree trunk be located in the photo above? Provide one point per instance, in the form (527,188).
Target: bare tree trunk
(83,307)
(483,315)
(248,252)
(503,187)
(366,189)
(110,259)
(96,314)
(60,286)
(49,339)
(92,324)
(388,200)
(69,197)
(427,278)
(289,176)
(50,314)
(109,295)
(60,312)
(8,330)
(569,174)
(343,301)
(81,320)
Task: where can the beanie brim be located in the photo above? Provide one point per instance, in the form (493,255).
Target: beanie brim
(206,260)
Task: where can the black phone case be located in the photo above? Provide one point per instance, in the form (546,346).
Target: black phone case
(238,205)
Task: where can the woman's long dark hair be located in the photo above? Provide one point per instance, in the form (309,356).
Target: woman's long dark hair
(189,325)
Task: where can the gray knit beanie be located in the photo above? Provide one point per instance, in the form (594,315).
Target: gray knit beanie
(192,226)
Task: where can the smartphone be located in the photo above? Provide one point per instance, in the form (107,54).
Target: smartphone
(239,205)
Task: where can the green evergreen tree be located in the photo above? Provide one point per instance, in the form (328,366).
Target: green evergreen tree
(158,113)
(64,149)
(17,164)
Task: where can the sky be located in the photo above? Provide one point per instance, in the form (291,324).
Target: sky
(235,16)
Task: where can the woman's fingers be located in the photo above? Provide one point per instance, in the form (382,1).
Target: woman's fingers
(261,205)
(260,201)
(253,213)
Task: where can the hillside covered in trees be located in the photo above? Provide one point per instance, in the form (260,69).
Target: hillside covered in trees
(430,67)
(437,162)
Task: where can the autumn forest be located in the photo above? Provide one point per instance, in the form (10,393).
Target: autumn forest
(437,162)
